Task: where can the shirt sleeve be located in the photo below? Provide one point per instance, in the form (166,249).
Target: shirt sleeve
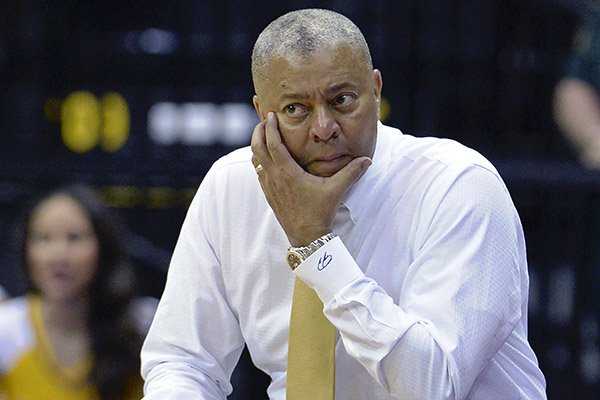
(190,353)
(460,299)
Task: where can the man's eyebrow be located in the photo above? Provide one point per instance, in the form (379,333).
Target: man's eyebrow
(343,85)
(294,96)
(332,89)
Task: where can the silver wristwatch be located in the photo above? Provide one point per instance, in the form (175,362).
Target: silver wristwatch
(296,255)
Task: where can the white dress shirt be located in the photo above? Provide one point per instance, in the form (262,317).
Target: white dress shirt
(427,284)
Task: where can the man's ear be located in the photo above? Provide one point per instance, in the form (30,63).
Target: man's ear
(377,86)
(378,83)
(256,104)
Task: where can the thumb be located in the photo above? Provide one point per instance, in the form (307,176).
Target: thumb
(345,177)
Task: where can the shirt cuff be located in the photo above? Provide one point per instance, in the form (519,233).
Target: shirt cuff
(329,269)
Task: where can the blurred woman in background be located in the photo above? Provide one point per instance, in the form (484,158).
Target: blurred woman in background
(78,333)
(577,94)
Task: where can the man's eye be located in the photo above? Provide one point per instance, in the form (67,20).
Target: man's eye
(295,110)
(344,99)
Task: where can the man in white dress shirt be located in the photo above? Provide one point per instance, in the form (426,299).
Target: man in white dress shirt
(429,289)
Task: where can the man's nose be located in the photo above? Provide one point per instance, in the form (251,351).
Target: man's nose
(323,125)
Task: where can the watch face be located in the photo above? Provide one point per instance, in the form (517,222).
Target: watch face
(293,259)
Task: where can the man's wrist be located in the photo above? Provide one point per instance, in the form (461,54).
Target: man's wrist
(296,255)
(329,269)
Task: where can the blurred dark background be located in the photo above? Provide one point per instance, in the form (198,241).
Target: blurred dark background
(138,98)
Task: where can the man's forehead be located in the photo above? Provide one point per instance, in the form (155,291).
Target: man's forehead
(338,64)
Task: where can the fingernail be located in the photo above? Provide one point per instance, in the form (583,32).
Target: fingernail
(367,163)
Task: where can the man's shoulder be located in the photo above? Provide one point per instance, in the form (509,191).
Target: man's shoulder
(237,165)
(442,151)
(232,173)
(240,157)
(452,152)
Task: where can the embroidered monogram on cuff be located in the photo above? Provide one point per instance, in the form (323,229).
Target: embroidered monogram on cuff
(329,269)
(296,255)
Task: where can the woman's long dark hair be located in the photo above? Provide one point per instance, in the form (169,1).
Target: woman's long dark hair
(115,339)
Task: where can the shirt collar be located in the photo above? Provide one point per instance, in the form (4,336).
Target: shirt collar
(356,197)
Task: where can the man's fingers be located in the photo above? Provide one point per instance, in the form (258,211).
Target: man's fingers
(277,149)
(260,153)
(345,177)
(272,134)
(258,137)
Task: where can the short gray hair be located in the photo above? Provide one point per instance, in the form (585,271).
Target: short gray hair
(301,32)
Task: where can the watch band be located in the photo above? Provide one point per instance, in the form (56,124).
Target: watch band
(296,255)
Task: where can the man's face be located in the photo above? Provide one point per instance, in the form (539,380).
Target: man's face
(327,106)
